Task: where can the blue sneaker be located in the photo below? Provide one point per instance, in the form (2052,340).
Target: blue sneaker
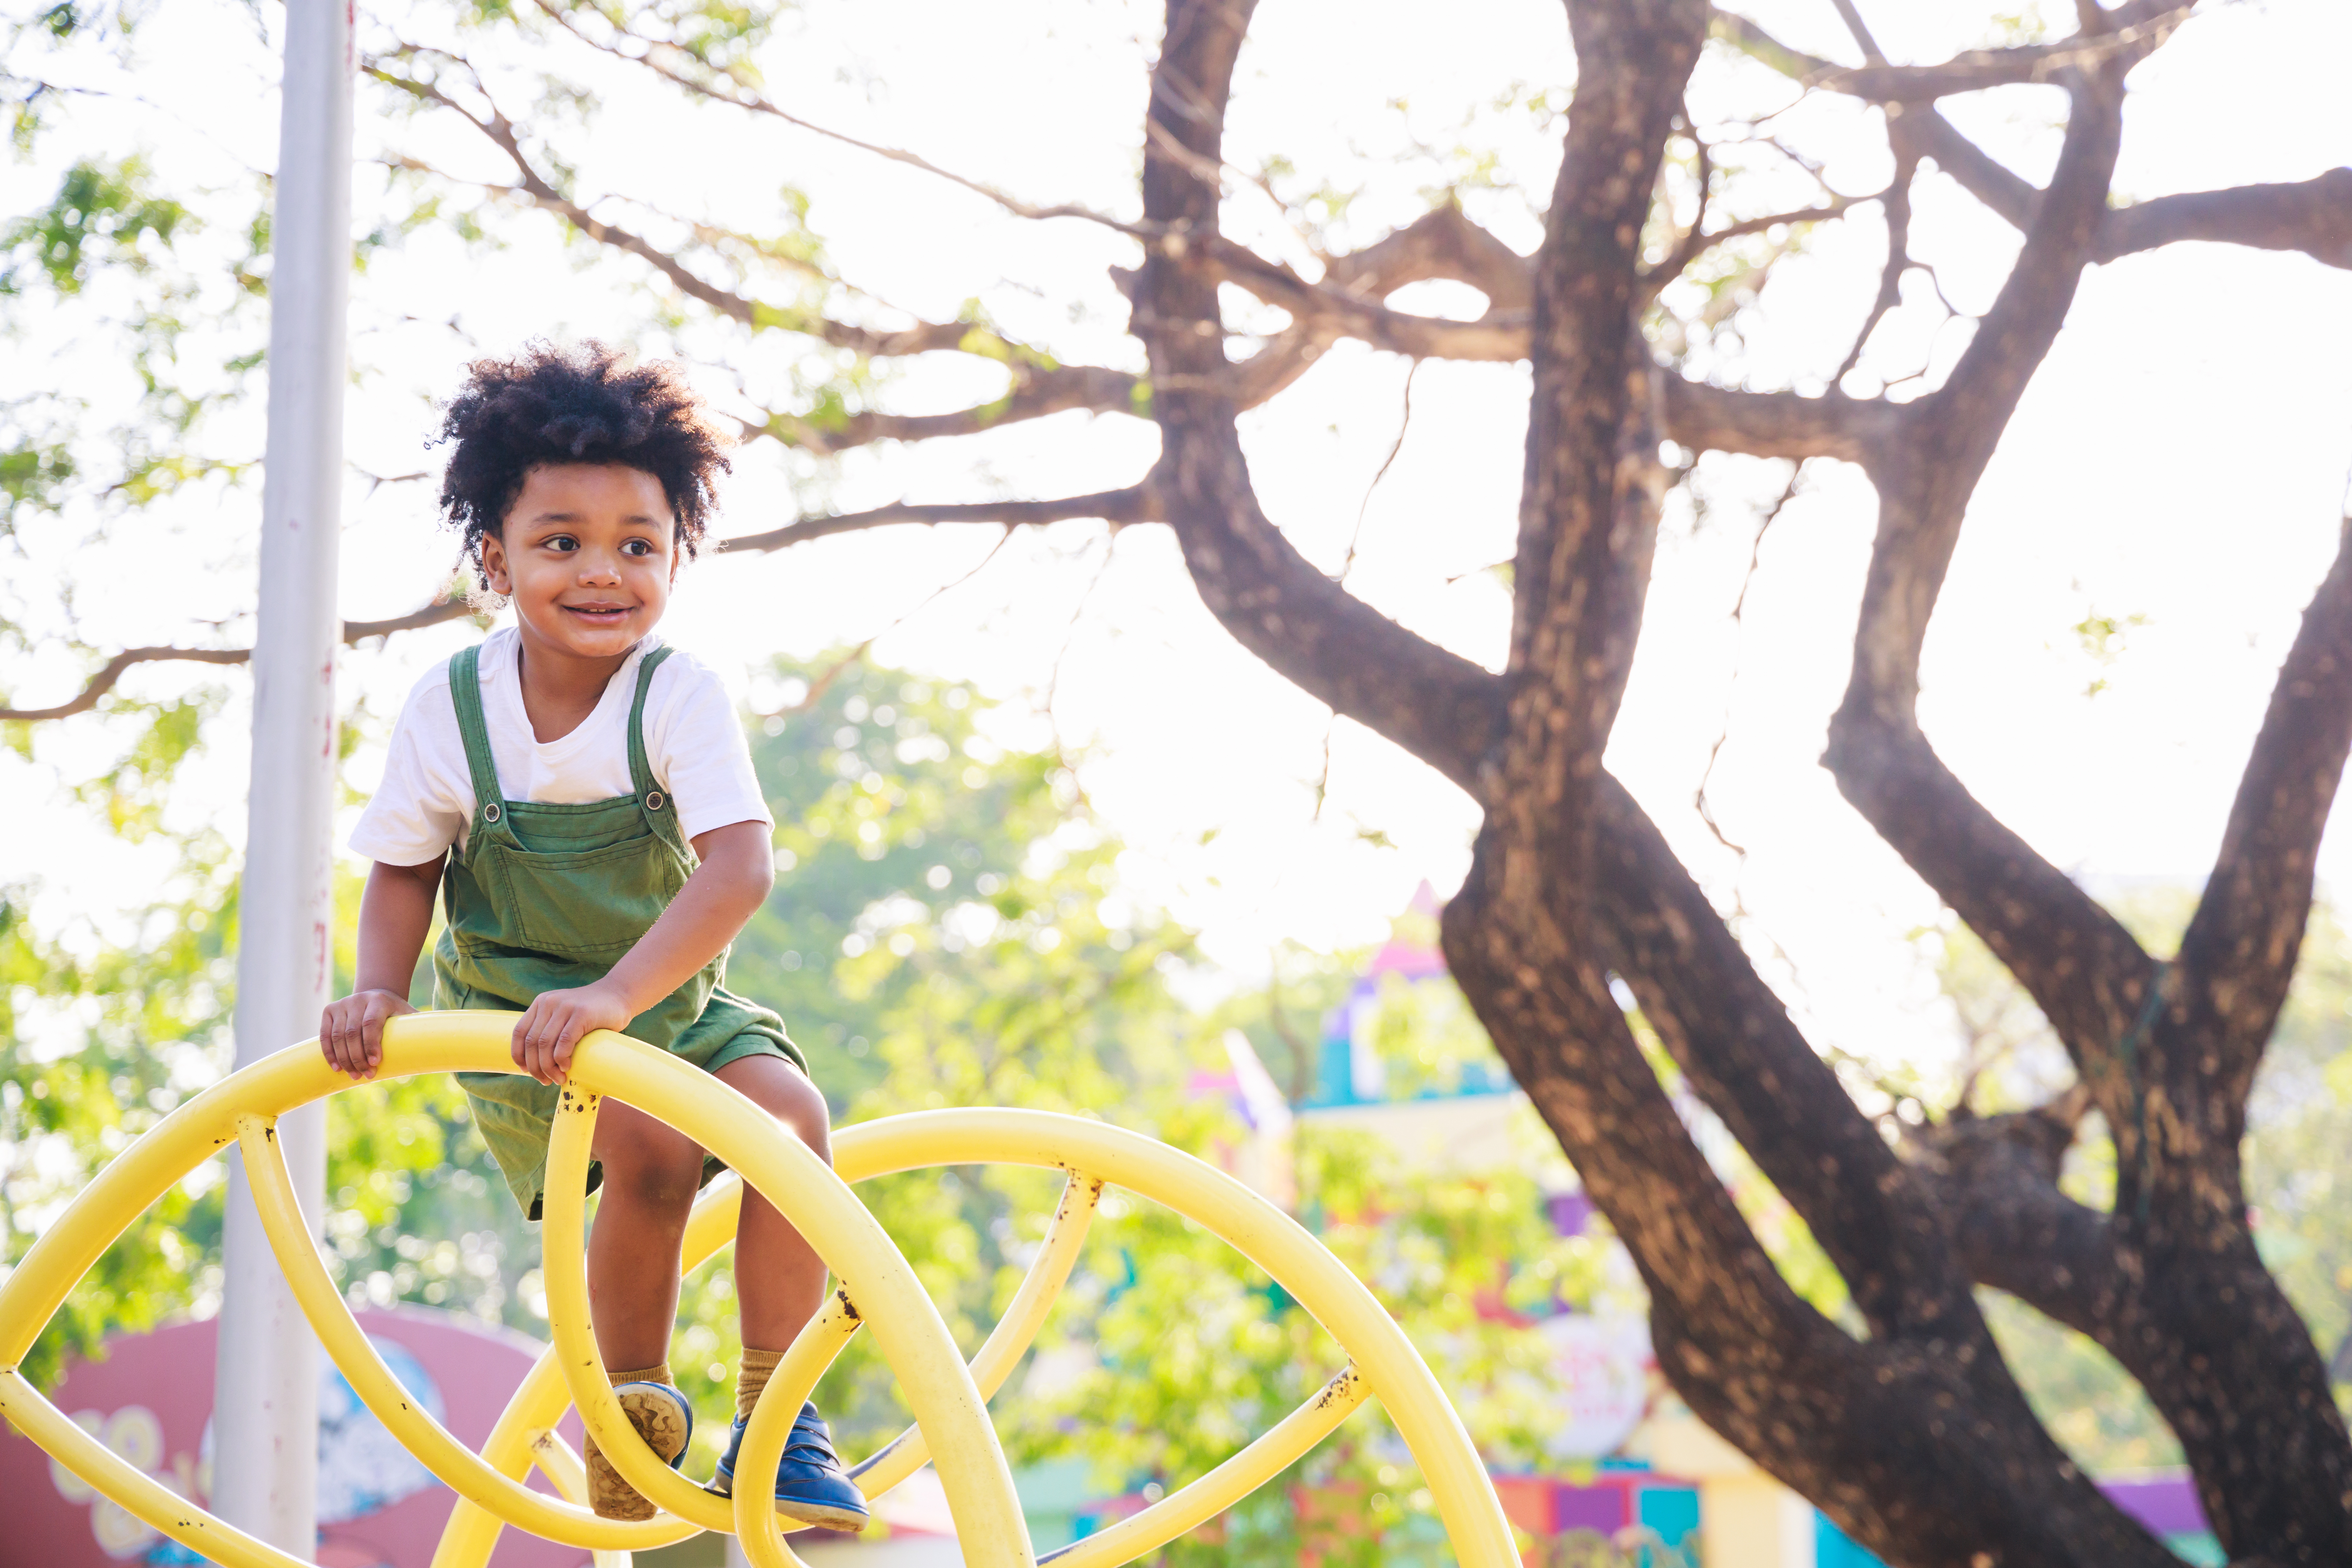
(664,1420)
(811,1486)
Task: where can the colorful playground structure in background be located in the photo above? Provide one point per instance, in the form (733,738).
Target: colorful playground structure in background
(150,1402)
(877,1289)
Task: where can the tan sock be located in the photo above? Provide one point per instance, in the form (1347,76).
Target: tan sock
(757,1367)
(643,1375)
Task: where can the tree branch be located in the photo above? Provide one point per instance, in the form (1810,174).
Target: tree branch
(1775,423)
(1435,704)
(1590,501)
(2128,34)
(1878,82)
(2194,1317)
(1921,130)
(448,608)
(1441,243)
(112,672)
(1897,203)
(1035,393)
(1749,40)
(1133,504)
(1994,1183)
(2241,948)
(1498,335)
(1736,1044)
(2086,972)
(2080,966)
(537,190)
(1039,385)
(1698,243)
(1275,368)
(2014,336)
(662,57)
(1862,40)
(2313,217)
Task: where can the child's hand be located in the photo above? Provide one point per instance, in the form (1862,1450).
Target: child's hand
(556,1022)
(351,1032)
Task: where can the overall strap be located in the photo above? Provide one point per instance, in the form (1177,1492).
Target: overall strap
(465,693)
(657,804)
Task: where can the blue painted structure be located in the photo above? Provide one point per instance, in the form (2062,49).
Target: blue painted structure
(1348,1070)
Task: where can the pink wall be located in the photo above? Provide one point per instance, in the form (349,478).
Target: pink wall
(151,1398)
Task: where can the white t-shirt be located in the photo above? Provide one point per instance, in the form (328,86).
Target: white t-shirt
(694,742)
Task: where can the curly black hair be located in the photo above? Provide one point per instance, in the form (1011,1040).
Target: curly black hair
(585,404)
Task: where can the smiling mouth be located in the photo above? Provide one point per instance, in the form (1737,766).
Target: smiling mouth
(599,615)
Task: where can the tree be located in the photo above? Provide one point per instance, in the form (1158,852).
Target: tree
(1913,1434)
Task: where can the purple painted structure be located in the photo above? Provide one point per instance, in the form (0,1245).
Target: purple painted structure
(2167,1505)
(1570,1213)
(1610,1502)
(1606,1508)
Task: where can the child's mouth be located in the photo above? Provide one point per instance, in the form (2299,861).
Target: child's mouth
(598,615)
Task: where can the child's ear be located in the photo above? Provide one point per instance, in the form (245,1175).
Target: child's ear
(494,562)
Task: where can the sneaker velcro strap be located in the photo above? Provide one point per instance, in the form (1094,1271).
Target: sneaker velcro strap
(811,1440)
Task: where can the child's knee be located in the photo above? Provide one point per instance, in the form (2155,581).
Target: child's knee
(808,1116)
(784,1093)
(794,1101)
(652,1163)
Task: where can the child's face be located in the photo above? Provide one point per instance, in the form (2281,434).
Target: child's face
(587,553)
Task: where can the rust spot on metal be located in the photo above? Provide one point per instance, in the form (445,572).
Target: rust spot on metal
(1338,1388)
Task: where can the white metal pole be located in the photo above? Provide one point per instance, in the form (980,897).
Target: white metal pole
(266,1404)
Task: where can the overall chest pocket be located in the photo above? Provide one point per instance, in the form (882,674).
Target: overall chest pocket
(585,903)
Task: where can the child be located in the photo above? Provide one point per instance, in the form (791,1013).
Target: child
(548,783)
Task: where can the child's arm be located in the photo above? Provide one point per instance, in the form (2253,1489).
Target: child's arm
(738,866)
(395,912)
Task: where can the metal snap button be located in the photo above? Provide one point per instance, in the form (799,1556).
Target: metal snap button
(492,812)
(654,801)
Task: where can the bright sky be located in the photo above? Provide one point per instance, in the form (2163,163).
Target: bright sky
(2181,456)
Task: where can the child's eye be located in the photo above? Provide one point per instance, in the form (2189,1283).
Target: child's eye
(563,543)
(637,547)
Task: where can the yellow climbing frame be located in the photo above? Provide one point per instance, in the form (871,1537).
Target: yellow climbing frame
(877,1289)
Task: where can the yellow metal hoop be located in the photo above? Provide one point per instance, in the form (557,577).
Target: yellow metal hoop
(877,1287)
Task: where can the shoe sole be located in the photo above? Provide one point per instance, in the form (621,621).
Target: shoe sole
(823,1517)
(816,1515)
(656,1420)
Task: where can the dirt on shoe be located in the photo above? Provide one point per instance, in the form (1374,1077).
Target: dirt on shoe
(658,1421)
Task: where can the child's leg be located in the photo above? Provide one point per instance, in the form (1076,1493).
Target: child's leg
(779,1278)
(780,1284)
(651,1173)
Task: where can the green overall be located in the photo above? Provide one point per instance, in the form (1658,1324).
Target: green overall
(547,897)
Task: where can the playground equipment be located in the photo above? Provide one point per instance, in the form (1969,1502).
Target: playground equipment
(877,1289)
